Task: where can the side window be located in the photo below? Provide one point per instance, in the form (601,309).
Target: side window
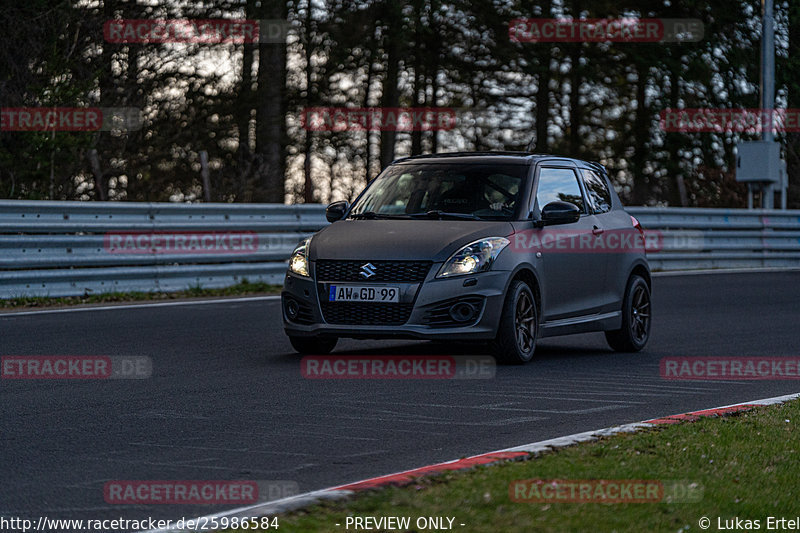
(559,184)
(598,191)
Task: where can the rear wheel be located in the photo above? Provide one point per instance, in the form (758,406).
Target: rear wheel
(516,334)
(313,345)
(636,313)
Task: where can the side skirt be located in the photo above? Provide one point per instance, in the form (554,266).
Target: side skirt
(581,324)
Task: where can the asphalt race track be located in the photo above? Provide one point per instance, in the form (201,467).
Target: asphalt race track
(227,400)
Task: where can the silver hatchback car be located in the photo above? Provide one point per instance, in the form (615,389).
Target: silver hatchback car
(500,247)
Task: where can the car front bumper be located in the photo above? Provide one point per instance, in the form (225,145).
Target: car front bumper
(428,299)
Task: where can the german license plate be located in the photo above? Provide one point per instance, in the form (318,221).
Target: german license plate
(361,293)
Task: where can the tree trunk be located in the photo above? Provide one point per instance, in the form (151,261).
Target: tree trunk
(432,69)
(792,76)
(367,100)
(575,102)
(391,95)
(639,137)
(575,82)
(418,84)
(271,112)
(97,171)
(308,184)
(243,154)
(674,164)
(543,90)
(108,98)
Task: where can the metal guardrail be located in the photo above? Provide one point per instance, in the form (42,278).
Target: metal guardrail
(690,238)
(71,248)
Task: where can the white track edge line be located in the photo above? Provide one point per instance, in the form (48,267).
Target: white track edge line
(141,305)
(660,274)
(703,271)
(336,493)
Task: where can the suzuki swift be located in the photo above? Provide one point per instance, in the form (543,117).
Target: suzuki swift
(503,247)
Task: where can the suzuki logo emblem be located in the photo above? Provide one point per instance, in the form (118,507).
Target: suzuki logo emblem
(368,270)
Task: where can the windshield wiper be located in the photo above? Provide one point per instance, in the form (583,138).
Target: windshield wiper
(372,215)
(444,214)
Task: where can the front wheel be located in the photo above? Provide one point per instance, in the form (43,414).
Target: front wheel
(516,334)
(313,345)
(636,313)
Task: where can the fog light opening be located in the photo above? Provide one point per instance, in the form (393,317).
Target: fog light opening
(463,312)
(292,309)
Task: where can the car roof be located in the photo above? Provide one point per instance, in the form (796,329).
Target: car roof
(518,158)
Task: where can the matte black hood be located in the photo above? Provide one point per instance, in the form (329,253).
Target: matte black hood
(431,240)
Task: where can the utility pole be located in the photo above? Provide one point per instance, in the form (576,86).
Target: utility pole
(758,163)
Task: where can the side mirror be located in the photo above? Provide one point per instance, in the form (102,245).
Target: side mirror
(336,211)
(560,213)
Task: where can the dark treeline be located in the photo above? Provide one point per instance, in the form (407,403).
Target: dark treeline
(242,103)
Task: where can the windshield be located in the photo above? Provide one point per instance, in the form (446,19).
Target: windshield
(469,191)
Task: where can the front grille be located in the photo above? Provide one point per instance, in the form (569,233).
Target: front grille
(393,271)
(440,314)
(366,313)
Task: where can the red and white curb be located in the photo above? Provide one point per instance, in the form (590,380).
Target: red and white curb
(525,451)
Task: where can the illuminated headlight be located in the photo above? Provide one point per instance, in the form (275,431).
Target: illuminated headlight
(298,261)
(475,257)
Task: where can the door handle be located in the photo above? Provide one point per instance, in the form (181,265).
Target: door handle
(597,231)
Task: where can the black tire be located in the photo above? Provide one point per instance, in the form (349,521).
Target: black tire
(636,318)
(313,345)
(519,326)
